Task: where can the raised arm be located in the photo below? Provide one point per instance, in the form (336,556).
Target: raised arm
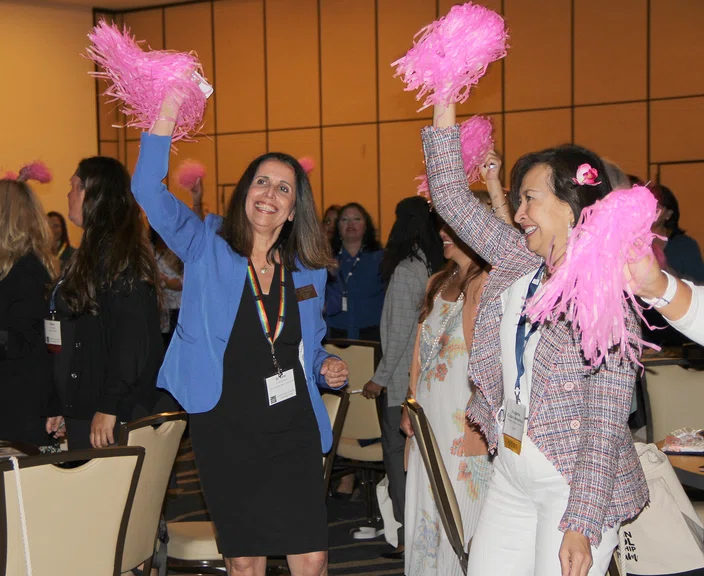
(447,181)
(180,228)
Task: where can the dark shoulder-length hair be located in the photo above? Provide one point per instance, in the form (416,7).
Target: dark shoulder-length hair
(667,200)
(301,239)
(415,229)
(114,245)
(370,242)
(563,162)
(62,223)
(440,280)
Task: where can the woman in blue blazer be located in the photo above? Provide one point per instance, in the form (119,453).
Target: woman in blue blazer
(246,359)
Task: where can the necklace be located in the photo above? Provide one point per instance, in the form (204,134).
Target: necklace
(443,326)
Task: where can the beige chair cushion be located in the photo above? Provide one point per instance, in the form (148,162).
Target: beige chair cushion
(350,448)
(676,399)
(161,445)
(192,541)
(73,516)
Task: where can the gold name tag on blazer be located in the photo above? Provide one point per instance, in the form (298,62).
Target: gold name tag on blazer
(306,293)
(513,426)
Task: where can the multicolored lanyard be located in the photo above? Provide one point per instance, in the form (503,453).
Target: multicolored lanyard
(521,336)
(263,318)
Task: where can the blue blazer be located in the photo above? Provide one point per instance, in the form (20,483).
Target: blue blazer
(213,280)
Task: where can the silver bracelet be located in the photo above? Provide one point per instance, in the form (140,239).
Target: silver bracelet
(667,297)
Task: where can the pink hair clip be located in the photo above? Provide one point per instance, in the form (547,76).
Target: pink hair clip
(586,175)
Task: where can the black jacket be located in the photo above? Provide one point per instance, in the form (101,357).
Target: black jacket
(108,362)
(26,383)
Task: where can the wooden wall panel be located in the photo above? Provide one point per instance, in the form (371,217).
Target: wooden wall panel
(538,67)
(348,61)
(292,63)
(676,128)
(401,162)
(351,164)
(611,62)
(189,28)
(398,21)
(240,69)
(617,132)
(533,131)
(683,180)
(147,25)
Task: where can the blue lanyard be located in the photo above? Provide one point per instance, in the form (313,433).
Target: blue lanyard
(52,303)
(345,279)
(522,337)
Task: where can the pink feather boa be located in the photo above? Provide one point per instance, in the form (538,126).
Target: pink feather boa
(189,172)
(477,142)
(36,170)
(141,80)
(452,54)
(589,287)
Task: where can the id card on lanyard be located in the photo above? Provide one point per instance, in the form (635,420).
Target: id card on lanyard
(345,280)
(52,324)
(515,417)
(282,384)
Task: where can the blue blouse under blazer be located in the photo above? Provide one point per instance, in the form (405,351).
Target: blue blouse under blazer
(213,280)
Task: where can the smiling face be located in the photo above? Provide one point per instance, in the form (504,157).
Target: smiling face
(271,199)
(544,218)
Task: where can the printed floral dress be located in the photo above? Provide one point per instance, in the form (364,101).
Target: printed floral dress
(443,390)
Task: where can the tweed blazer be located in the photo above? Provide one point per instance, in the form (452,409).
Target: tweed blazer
(578,416)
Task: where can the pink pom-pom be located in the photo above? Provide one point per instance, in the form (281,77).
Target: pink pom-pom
(10,175)
(308,164)
(141,80)
(452,54)
(589,287)
(36,170)
(477,142)
(188,174)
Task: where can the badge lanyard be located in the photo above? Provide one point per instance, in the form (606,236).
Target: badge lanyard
(522,337)
(345,279)
(52,302)
(263,319)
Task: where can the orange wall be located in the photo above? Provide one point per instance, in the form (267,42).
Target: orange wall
(47,98)
(312,77)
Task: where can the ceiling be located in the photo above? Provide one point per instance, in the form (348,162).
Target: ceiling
(115,4)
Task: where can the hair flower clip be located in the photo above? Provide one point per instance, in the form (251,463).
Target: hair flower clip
(586,175)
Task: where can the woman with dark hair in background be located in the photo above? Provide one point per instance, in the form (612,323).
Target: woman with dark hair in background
(27,268)
(682,253)
(329,221)
(412,254)
(246,360)
(60,246)
(566,473)
(171,282)
(354,295)
(107,305)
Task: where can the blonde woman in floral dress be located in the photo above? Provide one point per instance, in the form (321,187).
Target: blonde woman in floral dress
(440,385)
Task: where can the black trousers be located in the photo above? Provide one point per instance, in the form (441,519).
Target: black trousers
(393,443)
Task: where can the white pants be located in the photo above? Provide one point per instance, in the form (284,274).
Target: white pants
(518,531)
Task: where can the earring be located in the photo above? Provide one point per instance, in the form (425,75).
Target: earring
(570,226)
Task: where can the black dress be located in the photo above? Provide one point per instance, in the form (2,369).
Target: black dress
(260,466)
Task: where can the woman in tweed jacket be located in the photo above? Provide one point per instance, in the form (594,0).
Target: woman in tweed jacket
(553,509)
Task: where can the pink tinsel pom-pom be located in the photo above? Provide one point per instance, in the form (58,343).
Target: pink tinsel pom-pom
(452,54)
(477,142)
(308,164)
(36,170)
(141,80)
(188,174)
(589,287)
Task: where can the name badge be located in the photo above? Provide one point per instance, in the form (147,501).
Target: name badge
(280,388)
(52,332)
(306,293)
(344,303)
(514,424)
